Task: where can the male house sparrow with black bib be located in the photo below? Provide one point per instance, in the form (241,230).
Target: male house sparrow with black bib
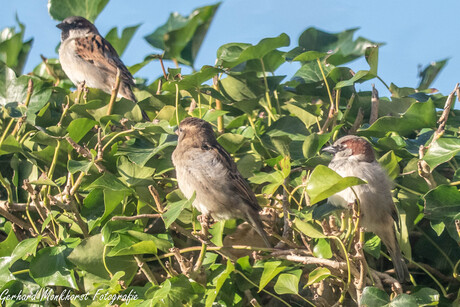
(86,56)
(204,167)
(353,156)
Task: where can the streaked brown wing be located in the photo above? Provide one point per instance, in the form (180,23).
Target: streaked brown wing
(240,185)
(97,51)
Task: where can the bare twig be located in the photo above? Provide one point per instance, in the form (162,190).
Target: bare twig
(330,116)
(358,122)
(13,219)
(220,119)
(374,105)
(41,209)
(86,153)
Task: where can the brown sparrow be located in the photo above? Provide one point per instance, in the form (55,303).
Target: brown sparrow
(204,167)
(86,56)
(353,156)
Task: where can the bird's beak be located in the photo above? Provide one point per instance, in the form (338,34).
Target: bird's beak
(60,26)
(330,149)
(177,131)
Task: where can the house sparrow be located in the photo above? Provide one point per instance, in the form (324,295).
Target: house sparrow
(204,167)
(353,156)
(86,56)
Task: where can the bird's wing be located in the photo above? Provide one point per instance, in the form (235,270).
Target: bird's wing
(239,185)
(98,51)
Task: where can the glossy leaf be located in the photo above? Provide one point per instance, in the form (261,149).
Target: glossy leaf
(324,182)
(374,297)
(443,204)
(219,282)
(232,54)
(49,268)
(120,43)
(287,284)
(317,275)
(441,151)
(89,9)
(271,269)
(175,209)
(181,37)
(430,72)
(419,115)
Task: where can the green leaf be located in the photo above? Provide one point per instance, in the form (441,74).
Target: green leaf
(120,43)
(181,37)
(317,275)
(217,232)
(24,249)
(372,246)
(7,246)
(443,204)
(218,281)
(419,115)
(340,46)
(89,9)
(426,297)
(309,56)
(442,150)
(13,50)
(304,115)
(374,297)
(430,73)
(311,73)
(174,210)
(404,300)
(127,247)
(230,55)
(287,284)
(79,127)
(79,166)
(308,229)
(324,182)
(88,256)
(14,89)
(389,161)
(49,268)
(231,142)
(134,174)
(271,269)
(10,145)
(108,181)
(322,249)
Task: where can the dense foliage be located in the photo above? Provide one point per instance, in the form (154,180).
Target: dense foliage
(90,207)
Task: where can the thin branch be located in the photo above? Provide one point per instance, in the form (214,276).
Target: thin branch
(374,105)
(135,217)
(114,92)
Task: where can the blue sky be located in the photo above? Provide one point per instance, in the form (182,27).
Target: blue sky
(415,32)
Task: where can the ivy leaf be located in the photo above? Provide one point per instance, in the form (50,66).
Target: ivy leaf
(324,182)
(181,37)
(443,205)
(120,43)
(287,284)
(374,297)
(89,9)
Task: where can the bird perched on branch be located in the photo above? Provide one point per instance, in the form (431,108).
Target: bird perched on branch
(204,167)
(86,56)
(353,156)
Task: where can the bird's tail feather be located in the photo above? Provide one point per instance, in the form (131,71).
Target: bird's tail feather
(402,273)
(389,239)
(256,222)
